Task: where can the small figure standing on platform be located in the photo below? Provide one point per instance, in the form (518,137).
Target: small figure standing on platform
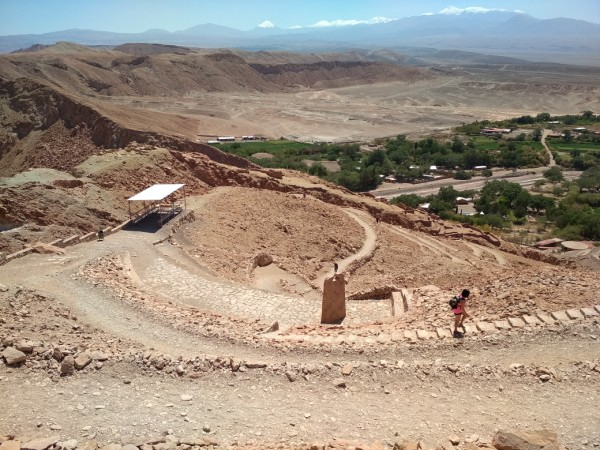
(459,308)
(100,234)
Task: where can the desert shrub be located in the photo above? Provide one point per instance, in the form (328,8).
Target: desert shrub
(411,200)
(462,175)
(554,174)
(318,169)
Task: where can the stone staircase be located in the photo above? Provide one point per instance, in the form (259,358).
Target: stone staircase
(478,328)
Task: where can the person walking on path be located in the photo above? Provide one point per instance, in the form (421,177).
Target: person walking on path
(460,311)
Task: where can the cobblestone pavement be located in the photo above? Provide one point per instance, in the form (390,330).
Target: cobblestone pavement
(176,283)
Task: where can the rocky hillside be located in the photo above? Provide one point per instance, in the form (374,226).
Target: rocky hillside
(149,70)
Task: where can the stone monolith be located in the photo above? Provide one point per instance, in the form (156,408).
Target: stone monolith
(333,309)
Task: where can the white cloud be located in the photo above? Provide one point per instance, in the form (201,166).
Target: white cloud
(266,24)
(345,22)
(454,11)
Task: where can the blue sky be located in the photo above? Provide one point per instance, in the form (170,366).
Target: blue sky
(42,16)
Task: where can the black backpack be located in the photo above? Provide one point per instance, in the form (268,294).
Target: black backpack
(454,301)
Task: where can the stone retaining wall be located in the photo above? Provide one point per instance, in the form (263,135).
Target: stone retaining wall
(66,242)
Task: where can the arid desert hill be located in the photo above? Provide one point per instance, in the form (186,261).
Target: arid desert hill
(69,112)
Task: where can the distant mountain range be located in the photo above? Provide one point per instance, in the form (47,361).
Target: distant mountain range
(495,32)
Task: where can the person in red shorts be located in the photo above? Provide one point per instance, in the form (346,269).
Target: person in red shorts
(460,311)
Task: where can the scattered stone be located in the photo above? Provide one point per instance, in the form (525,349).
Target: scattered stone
(526,440)
(185,398)
(339,382)
(25,347)
(347,369)
(10,445)
(13,356)
(291,376)
(112,447)
(57,354)
(88,445)
(40,444)
(454,439)
(263,259)
(274,327)
(71,444)
(82,360)
(406,445)
(206,429)
(99,356)
(255,365)
(67,367)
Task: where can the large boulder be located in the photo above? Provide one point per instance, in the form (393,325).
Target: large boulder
(526,440)
(13,356)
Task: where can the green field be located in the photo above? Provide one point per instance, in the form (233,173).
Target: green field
(562,146)
(275,148)
(485,143)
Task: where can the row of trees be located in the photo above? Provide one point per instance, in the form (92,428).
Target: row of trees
(541,120)
(502,203)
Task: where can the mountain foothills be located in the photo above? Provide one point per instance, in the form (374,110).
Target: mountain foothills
(493,32)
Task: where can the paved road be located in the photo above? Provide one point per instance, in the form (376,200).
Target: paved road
(525,178)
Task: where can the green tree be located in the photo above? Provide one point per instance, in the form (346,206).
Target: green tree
(368,178)
(498,197)
(537,134)
(350,180)
(588,115)
(447,194)
(462,175)
(554,174)
(318,169)
(543,117)
(411,200)
(541,203)
(437,206)
(377,156)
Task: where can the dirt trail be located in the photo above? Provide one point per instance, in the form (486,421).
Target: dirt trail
(545,134)
(368,247)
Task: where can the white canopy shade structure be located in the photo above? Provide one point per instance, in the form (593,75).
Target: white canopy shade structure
(155,200)
(156,192)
